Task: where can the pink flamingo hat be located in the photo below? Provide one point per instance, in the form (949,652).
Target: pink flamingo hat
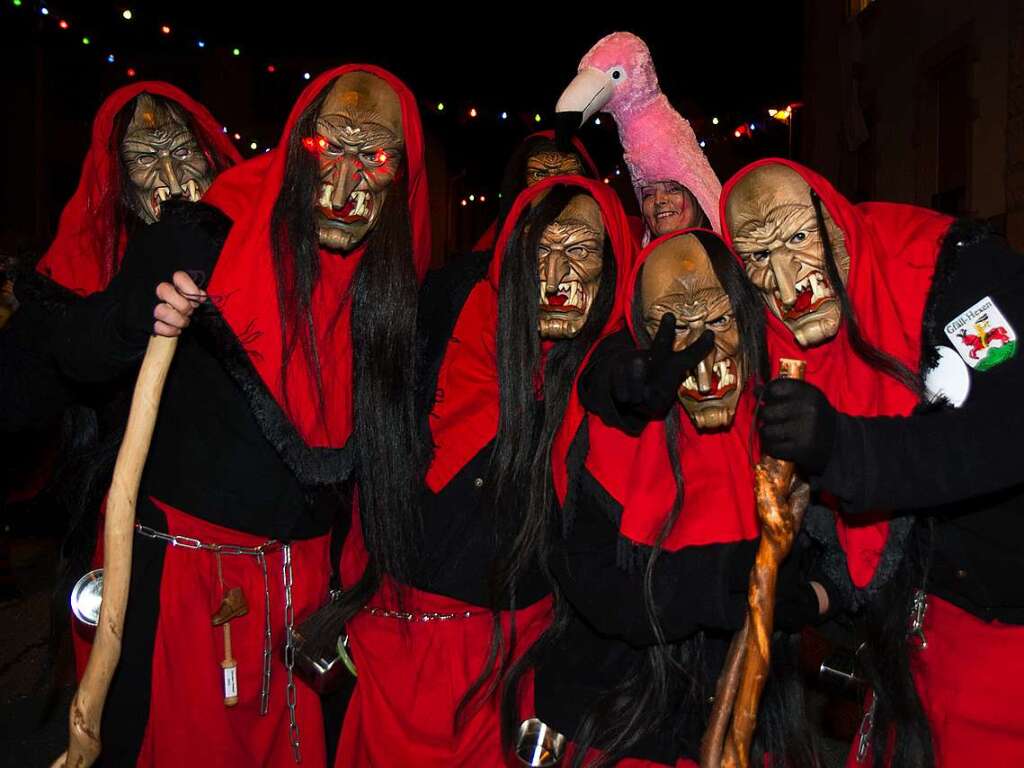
(617,76)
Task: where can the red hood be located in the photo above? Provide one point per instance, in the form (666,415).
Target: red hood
(629,286)
(465,416)
(718,499)
(244,284)
(88,247)
(615,222)
(893,250)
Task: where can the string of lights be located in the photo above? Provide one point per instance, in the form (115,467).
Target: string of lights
(465,113)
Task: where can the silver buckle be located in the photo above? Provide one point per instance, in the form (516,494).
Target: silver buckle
(538,745)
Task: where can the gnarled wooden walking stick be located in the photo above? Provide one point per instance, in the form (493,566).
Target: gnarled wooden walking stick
(118,537)
(726,743)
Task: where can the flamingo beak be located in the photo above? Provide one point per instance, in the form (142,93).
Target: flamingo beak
(585,96)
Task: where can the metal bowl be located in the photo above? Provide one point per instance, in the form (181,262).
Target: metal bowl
(539,745)
(87,596)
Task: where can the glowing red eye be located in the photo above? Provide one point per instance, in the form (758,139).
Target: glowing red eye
(380,157)
(316,144)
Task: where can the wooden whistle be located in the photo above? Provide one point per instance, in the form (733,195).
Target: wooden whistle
(231,607)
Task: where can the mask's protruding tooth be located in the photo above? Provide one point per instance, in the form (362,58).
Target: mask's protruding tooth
(162,194)
(359,200)
(326,192)
(725,376)
(703,377)
(816,289)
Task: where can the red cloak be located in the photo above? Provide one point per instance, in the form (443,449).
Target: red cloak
(89,245)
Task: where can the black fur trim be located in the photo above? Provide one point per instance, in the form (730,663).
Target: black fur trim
(311,466)
(820,524)
(964,233)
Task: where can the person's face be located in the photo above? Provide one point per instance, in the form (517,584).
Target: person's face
(359,145)
(668,207)
(774,229)
(162,157)
(678,278)
(570,259)
(545,163)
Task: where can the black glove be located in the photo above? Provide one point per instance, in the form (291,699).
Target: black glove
(646,382)
(798,424)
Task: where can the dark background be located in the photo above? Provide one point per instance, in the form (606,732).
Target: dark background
(730,60)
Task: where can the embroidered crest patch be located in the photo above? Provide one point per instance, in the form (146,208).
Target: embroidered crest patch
(982,336)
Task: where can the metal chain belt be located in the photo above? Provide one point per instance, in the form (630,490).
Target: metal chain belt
(187,542)
(386,613)
(260,553)
(267,638)
(289,651)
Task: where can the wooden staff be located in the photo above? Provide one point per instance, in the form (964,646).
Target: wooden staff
(118,537)
(726,743)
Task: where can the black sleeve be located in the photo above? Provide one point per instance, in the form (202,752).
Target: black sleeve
(595,384)
(104,334)
(694,588)
(946,455)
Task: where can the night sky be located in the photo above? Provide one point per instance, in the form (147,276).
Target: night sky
(731,60)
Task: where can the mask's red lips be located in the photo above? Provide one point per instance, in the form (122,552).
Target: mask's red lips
(804,304)
(343,214)
(718,390)
(558,302)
